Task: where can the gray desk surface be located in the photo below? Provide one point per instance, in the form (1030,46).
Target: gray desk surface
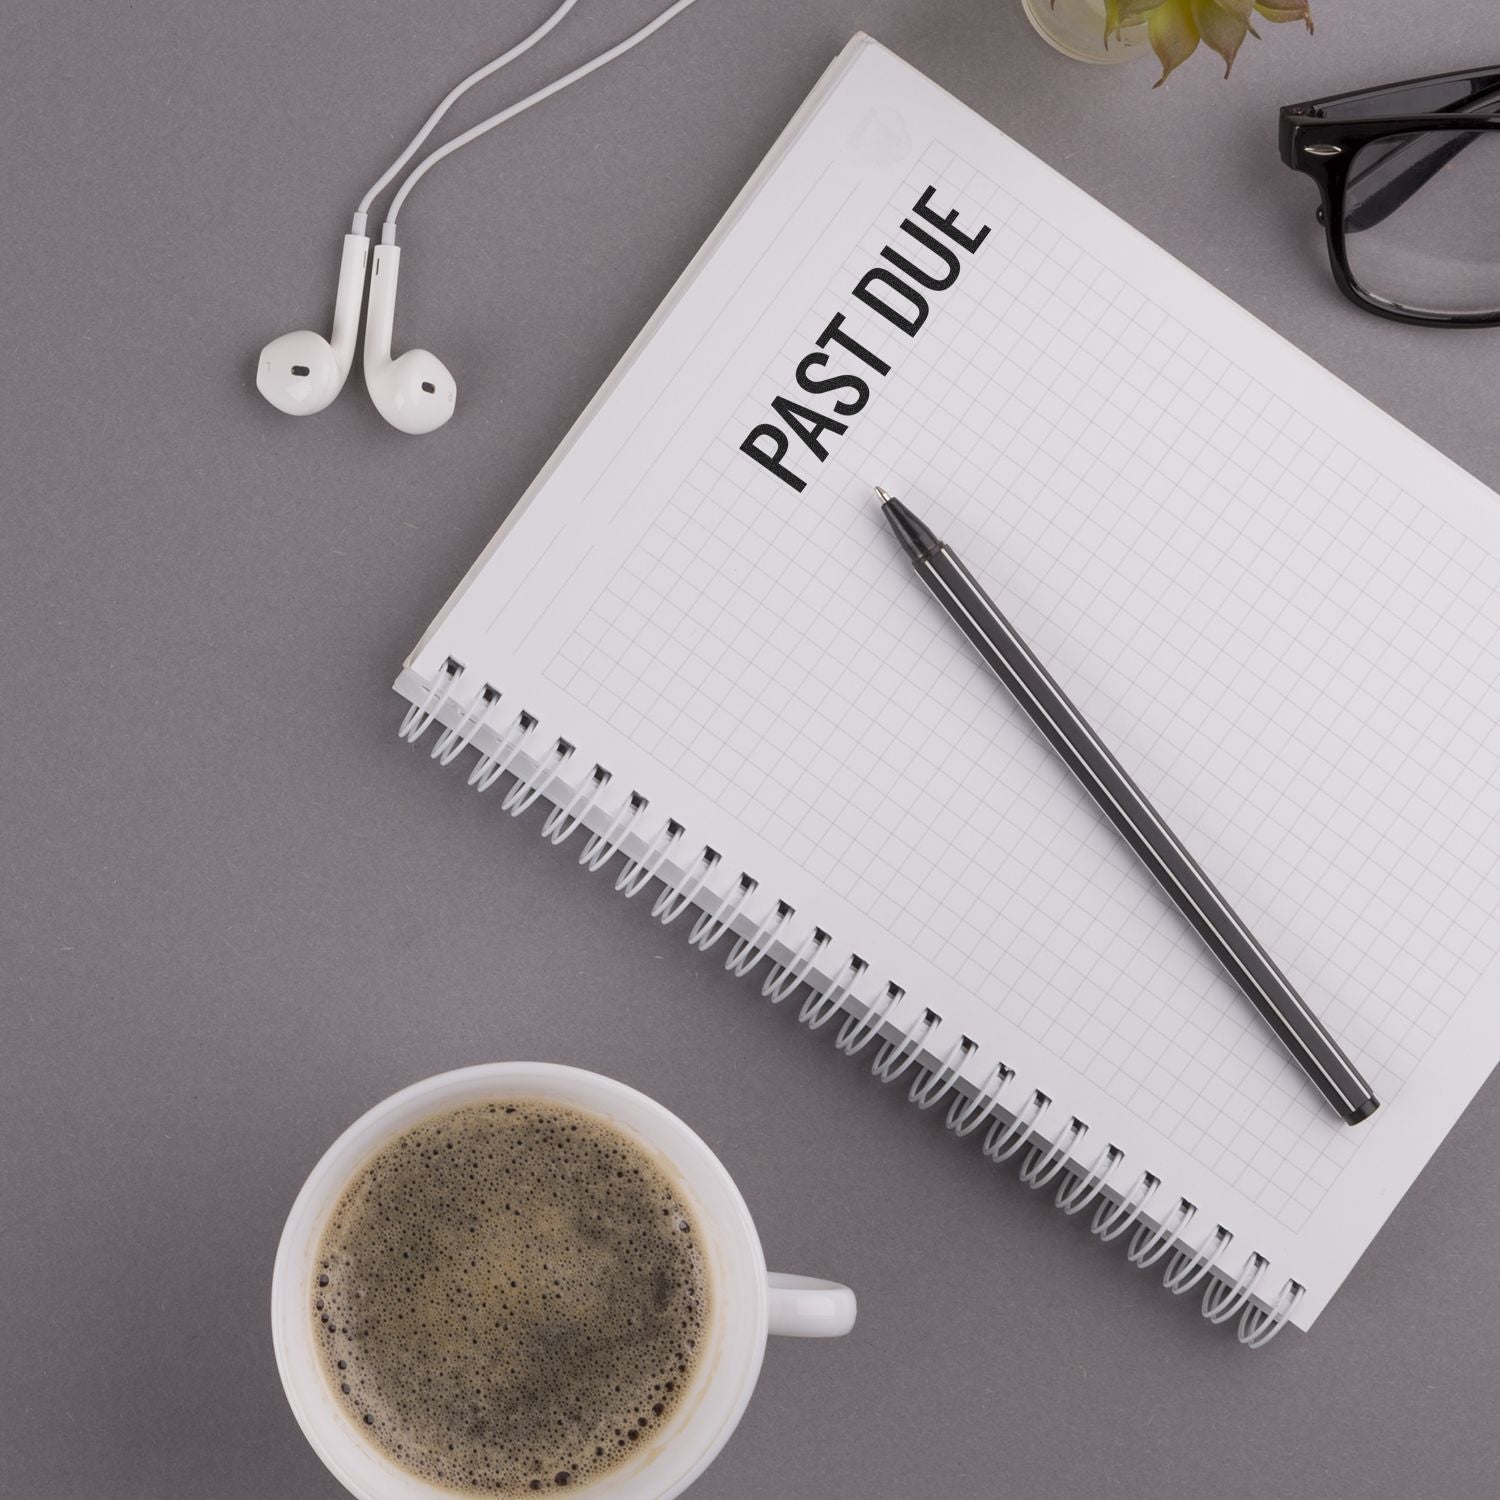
(236,911)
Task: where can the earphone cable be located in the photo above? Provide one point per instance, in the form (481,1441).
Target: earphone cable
(449,100)
(388,232)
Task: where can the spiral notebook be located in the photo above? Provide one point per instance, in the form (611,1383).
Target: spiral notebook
(696,641)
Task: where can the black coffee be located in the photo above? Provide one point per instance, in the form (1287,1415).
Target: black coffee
(511,1297)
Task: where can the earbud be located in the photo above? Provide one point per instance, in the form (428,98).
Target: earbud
(301,372)
(414,393)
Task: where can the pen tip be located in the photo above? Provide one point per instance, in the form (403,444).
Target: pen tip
(883,494)
(917,538)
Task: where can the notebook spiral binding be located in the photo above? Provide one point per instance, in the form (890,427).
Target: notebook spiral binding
(1017,1118)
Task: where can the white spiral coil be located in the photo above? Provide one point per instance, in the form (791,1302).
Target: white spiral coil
(1006,1137)
(1112,1219)
(870,1006)
(785,978)
(928,1088)
(567,817)
(1150,1243)
(1078,1189)
(895,1057)
(857,1031)
(1041,1167)
(600,848)
(746,953)
(968,1112)
(821,1006)
(711,926)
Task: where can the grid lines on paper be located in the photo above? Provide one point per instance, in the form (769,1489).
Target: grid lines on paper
(1293,657)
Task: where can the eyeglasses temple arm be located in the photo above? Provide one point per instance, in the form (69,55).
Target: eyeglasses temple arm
(1380,205)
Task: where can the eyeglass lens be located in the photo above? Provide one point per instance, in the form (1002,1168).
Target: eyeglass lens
(1422,221)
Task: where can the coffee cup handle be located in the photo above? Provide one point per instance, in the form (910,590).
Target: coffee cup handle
(802,1307)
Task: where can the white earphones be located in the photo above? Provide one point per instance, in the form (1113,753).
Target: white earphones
(300,373)
(414,393)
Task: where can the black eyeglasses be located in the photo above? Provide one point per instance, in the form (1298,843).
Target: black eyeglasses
(1410,178)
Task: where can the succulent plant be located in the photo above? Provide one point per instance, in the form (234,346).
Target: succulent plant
(1175,27)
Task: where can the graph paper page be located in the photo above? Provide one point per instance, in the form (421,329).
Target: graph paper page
(1275,604)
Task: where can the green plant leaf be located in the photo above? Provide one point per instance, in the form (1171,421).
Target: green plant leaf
(1221,29)
(1286,10)
(1131,12)
(1173,34)
(1241,9)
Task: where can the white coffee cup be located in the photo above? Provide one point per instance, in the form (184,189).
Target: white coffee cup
(748,1302)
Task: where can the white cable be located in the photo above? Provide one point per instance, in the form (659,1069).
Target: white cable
(449,100)
(388,233)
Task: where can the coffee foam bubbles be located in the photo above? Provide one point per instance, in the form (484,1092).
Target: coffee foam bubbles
(510,1298)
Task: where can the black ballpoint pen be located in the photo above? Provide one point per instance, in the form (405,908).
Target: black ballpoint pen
(1123,802)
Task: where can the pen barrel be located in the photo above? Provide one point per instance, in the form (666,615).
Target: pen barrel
(1159,849)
